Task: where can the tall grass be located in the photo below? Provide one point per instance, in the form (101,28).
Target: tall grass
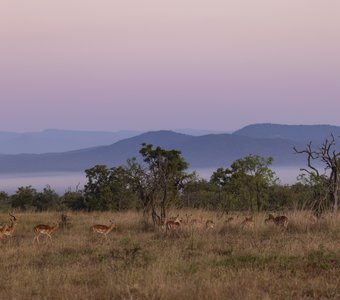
(137,262)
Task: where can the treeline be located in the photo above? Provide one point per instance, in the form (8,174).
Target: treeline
(198,193)
(160,180)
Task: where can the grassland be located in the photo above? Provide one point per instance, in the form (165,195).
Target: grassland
(136,262)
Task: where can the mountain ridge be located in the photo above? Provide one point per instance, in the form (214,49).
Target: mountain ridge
(205,151)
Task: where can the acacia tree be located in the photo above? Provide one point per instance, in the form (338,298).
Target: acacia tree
(141,183)
(166,169)
(329,157)
(160,175)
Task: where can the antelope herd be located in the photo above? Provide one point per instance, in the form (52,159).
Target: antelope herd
(173,224)
(247,222)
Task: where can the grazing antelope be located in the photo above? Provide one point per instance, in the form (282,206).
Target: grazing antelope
(9,231)
(173,225)
(104,229)
(248,222)
(209,224)
(44,229)
(279,220)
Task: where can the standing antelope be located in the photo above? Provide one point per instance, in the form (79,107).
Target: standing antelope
(2,230)
(248,222)
(44,229)
(209,224)
(104,229)
(10,229)
(173,225)
(279,220)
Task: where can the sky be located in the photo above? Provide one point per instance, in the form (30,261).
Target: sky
(153,64)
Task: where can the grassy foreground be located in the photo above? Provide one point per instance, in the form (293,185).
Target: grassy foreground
(228,262)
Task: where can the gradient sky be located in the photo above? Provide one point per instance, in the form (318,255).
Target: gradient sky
(153,64)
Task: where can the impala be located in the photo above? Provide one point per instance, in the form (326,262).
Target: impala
(173,225)
(2,230)
(209,224)
(44,229)
(248,222)
(279,220)
(10,229)
(104,229)
(270,219)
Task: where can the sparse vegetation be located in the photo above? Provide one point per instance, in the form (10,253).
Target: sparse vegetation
(136,262)
(175,236)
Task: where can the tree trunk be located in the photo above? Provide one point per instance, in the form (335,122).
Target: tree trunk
(165,196)
(334,187)
(258,198)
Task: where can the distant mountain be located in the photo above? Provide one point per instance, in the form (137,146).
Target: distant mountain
(214,150)
(299,133)
(53,140)
(202,151)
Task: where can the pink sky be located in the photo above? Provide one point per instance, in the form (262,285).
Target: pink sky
(153,64)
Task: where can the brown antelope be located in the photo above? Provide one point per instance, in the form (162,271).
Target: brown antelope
(2,230)
(104,229)
(9,231)
(209,224)
(173,225)
(44,229)
(248,222)
(270,219)
(279,220)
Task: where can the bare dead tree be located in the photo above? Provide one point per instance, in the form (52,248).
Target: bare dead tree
(330,159)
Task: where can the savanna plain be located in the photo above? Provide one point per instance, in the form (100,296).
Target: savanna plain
(138,261)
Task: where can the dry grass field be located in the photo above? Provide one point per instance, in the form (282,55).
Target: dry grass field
(136,262)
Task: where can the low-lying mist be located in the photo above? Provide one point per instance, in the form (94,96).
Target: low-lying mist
(64,181)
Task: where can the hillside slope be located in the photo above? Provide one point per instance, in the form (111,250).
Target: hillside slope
(200,151)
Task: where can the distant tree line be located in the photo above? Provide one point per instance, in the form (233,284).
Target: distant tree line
(160,179)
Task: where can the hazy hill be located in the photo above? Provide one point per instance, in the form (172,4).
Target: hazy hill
(300,133)
(200,151)
(203,151)
(53,140)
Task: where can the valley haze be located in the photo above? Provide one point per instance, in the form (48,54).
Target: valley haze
(204,152)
